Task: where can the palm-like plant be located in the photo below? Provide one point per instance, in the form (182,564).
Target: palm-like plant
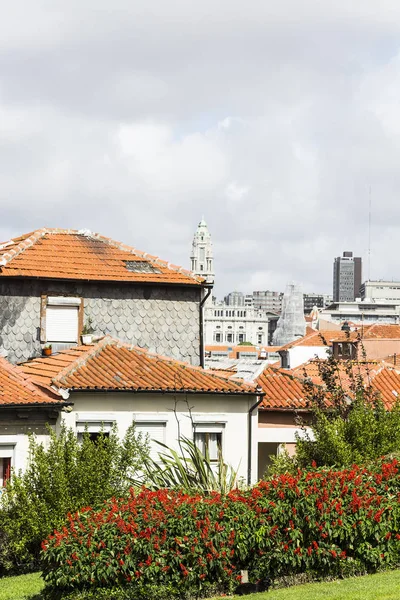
(189,471)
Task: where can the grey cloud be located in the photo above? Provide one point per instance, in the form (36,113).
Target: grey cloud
(271,119)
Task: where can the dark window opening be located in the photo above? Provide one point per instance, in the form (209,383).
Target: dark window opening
(5,470)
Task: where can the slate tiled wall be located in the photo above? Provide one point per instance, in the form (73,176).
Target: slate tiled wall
(163,319)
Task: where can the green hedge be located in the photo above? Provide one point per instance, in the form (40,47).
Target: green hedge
(322,522)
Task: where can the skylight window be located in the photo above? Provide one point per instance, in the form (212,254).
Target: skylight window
(140,266)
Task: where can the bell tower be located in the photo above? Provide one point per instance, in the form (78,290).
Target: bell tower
(201,259)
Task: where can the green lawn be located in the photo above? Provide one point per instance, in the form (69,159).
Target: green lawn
(24,587)
(383,586)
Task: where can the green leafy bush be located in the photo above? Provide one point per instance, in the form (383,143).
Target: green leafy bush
(319,521)
(349,421)
(60,478)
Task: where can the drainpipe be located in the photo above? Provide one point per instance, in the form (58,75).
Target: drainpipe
(201,320)
(250,434)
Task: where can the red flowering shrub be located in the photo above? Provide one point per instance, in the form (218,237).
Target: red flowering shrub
(324,521)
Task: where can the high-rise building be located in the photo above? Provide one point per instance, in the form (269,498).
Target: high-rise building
(268,301)
(347,273)
(234,299)
(318,300)
(201,259)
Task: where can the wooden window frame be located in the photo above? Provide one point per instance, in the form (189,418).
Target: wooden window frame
(43,307)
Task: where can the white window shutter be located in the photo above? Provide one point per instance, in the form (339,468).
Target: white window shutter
(61,323)
(156,433)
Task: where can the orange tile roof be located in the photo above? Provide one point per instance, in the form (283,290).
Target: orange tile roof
(18,389)
(367,332)
(77,255)
(283,388)
(113,365)
(377,330)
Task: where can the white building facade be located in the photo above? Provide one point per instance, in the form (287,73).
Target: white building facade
(381,290)
(226,324)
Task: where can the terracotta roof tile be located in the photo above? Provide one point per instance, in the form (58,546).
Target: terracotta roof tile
(283,388)
(18,389)
(367,332)
(113,365)
(77,255)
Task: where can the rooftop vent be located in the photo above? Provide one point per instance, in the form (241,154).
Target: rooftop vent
(140,266)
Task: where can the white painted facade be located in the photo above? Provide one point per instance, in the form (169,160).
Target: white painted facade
(301,354)
(227,325)
(381,290)
(16,447)
(225,414)
(367,312)
(281,435)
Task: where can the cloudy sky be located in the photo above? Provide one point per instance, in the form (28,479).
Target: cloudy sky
(273,119)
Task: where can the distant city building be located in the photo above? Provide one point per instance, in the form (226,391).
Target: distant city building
(268,301)
(233,321)
(291,324)
(234,299)
(202,259)
(347,273)
(318,300)
(248,300)
(367,311)
(381,290)
(226,324)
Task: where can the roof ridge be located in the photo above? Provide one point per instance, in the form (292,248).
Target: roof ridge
(81,361)
(95,350)
(40,233)
(22,245)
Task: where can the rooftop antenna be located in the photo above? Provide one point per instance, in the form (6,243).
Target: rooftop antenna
(369,236)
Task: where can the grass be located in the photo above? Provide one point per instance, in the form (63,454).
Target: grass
(22,587)
(382,586)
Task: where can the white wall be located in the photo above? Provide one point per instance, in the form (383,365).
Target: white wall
(17,448)
(281,435)
(301,354)
(231,412)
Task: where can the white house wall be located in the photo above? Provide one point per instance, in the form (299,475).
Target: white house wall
(301,354)
(231,412)
(16,447)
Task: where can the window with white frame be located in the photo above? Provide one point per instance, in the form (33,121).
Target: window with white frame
(208,437)
(94,429)
(62,319)
(155,432)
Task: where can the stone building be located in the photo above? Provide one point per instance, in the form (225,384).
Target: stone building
(54,281)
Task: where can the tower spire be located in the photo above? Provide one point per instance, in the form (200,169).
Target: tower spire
(201,258)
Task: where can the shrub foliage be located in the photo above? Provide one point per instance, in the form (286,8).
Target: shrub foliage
(321,521)
(349,421)
(61,477)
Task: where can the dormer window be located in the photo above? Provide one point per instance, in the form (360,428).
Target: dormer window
(344,350)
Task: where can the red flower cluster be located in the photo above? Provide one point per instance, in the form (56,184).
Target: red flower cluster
(322,520)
